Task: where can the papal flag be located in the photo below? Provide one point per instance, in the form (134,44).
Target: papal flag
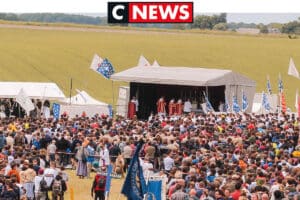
(102,66)
(143,62)
(292,69)
(24,101)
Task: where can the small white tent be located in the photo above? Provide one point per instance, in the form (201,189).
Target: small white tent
(83,102)
(34,90)
(83,98)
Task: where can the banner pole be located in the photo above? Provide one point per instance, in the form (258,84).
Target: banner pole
(113,97)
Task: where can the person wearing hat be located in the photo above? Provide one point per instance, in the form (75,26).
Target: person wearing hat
(98,186)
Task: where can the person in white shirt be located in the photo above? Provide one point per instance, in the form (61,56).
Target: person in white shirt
(187,107)
(136,102)
(51,149)
(147,167)
(168,162)
(37,190)
(50,173)
(104,156)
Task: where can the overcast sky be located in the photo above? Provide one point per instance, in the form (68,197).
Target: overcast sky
(287,8)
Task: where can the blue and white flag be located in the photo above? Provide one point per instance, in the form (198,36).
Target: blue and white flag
(226,105)
(245,103)
(208,105)
(56,110)
(280,84)
(265,102)
(110,110)
(235,105)
(134,187)
(102,66)
(269,86)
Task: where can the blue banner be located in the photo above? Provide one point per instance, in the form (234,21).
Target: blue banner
(134,186)
(108,179)
(154,190)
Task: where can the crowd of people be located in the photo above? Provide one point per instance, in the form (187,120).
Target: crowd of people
(204,156)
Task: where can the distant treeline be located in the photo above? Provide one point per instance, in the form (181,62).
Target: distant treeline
(53,18)
(210,22)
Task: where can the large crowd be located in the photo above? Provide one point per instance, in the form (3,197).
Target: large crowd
(204,156)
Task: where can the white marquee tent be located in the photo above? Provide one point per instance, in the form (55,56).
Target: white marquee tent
(174,78)
(34,90)
(83,102)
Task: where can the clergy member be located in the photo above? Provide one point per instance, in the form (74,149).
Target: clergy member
(179,107)
(172,107)
(132,108)
(161,106)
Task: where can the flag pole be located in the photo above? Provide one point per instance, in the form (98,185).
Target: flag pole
(113,97)
(71,86)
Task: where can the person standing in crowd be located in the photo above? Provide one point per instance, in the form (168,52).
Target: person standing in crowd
(221,106)
(114,152)
(187,107)
(59,187)
(51,150)
(127,154)
(49,175)
(132,108)
(81,156)
(172,107)
(40,186)
(98,186)
(104,160)
(161,106)
(179,107)
(62,145)
(46,109)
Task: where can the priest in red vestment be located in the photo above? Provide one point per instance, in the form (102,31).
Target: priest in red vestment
(172,107)
(132,108)
(179,107)
(161,106)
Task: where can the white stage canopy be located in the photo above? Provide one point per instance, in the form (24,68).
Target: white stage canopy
(34,90)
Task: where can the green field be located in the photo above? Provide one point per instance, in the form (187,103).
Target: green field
(58,55)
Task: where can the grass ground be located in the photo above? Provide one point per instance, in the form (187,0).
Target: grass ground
(58,55)
(82,188)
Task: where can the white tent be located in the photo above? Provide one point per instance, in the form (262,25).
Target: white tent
(144,78)
(83,98)
(83,102)
(34,90)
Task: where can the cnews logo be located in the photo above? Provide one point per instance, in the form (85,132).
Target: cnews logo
(150,12)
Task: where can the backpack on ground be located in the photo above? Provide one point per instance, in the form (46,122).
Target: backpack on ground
(101,182)
(57,187)
(43,185)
